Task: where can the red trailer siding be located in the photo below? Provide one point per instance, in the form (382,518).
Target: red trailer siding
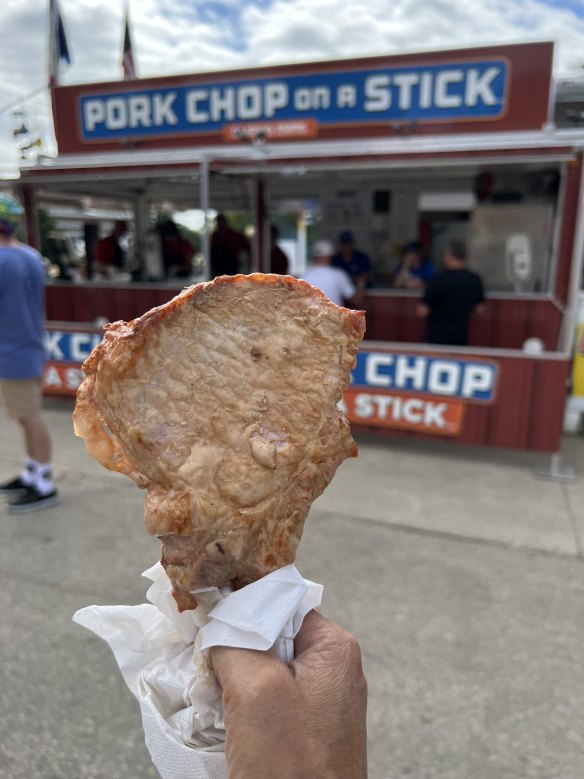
(527,412)
(506,323)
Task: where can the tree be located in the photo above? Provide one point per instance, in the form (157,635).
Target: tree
(46,225)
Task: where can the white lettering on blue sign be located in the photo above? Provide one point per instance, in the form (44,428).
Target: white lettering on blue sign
(52,346)
(468,90)
(346,96)
(70,346)
(442,91)
(130,112)
(413,411)
(463,379)
(226,104)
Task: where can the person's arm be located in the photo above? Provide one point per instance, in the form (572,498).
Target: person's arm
(402,275)
(305,720)
(405,280)
(361,280)
(480,307)
(425,305)
(352,294)
(357,300)
(366,271)
(104,257)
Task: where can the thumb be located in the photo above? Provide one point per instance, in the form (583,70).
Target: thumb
(232,666)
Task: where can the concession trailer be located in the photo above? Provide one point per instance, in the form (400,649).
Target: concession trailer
(473,145)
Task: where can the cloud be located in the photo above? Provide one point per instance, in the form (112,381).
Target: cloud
(189,36)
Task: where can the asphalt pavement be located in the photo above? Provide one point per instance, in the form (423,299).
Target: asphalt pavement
(459,571)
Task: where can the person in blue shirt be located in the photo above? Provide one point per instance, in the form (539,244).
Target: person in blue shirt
(357,264)
(414,271)
(22,361)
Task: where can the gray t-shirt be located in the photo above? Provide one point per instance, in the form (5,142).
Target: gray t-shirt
(22,313)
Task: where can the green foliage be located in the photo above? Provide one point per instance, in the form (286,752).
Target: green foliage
(46,225)
(239,220)
(286,224)
(192,236)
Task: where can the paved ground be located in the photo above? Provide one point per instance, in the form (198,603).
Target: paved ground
(461,574)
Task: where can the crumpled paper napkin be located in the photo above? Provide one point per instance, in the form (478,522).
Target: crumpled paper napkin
(162,655)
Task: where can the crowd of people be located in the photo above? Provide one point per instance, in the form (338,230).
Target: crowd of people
(449,292)
(166,254)
(448,298)
(344,272)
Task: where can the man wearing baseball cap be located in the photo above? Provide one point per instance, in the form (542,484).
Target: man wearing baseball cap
(22,361)
(334,282)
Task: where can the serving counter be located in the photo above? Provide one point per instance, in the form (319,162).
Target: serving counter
(495,395)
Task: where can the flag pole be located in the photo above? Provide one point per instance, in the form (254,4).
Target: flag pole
(58,48)
(128,64)
(51,53)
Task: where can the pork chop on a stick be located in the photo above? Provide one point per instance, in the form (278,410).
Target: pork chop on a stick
(222,404)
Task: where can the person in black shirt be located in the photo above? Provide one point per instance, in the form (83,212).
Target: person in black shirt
(450,299)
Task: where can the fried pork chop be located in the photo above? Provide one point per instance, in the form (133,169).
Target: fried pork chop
(222,405)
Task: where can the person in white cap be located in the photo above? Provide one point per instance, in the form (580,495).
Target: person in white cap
(334,282)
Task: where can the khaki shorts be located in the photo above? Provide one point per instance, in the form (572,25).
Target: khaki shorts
(21,398)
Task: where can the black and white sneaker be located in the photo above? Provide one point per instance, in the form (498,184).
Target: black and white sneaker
(14,488)
(32,500)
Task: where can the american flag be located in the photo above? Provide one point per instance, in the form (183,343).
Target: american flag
(58,46)
(128,55)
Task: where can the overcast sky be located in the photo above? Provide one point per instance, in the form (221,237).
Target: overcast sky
(189,36)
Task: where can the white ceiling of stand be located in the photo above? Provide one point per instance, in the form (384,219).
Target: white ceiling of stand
(235,190)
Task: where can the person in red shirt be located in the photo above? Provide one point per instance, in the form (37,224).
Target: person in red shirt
(109,255)
(177,252)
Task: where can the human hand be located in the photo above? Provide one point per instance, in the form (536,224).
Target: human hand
(305,720)
(409,261)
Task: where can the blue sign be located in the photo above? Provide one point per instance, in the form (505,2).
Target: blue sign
(70,346)
(457,91)
(425,375)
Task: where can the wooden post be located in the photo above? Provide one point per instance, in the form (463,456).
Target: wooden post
(262,244)
(31,216)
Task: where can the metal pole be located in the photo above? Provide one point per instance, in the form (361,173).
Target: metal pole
(556,470)
(31,215)
(204,198)
(140,230)
(261,262)
(301,250)
(571,316)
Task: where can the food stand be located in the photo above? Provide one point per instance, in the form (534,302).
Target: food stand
(431,146)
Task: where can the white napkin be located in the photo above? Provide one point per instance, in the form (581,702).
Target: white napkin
(163,658)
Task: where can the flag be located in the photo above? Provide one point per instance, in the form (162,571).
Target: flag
(128,55)
(58,45)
